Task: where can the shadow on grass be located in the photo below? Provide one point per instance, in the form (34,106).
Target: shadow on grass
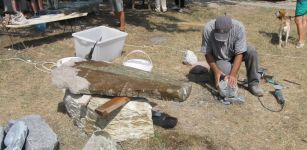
(61,108)
(274,37)
(40,41)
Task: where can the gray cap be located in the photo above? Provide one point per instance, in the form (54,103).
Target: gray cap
(223,24)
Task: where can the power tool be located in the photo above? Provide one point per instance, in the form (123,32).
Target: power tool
(278,95)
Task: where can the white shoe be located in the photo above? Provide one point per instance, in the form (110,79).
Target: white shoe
(299,45)
(164,9)
(157,10)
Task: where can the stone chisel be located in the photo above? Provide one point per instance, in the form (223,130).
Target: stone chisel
(113,104)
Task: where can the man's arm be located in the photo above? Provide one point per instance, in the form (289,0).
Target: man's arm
(216,70)
(232,78)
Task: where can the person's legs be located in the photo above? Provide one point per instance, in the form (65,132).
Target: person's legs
(158,6)
(14,5)
(301,10)
(252,65)
(181,4)
(163,4)
(34,6)
(121,17)
(40,4)
(119,9)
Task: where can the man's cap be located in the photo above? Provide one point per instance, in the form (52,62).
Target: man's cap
(223,24)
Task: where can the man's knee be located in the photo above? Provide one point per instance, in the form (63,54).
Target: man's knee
(251,51)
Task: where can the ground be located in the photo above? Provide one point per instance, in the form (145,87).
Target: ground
(204,123)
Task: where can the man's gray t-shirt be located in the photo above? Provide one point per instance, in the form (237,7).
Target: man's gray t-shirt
(236,43)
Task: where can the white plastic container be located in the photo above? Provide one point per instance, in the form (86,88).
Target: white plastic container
(141,64)
(108,48)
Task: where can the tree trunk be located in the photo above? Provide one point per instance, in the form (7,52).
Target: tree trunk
(116,80)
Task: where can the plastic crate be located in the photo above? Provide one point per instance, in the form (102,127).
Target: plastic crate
(107,49)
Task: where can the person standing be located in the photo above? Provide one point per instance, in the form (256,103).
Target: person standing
(225,47)
(300,20)
(118,7)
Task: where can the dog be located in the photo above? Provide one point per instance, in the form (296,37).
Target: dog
(284,28)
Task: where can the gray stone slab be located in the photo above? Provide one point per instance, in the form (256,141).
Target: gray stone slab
(16,136)
(1,137)
(41,136)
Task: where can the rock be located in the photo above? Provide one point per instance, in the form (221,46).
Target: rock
(132,121)
(16,136)
(76,107)
(9,125)
(200,67)
(189,58)
(100,140)
(1,137)
(41,136)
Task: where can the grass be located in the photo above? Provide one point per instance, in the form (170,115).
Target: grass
(204,123)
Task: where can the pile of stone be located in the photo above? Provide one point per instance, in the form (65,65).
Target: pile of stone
(28,133)
(132,121)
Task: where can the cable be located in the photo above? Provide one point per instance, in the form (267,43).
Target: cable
(42,67)
(282,106)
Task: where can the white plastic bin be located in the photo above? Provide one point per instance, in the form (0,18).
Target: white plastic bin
(108,48)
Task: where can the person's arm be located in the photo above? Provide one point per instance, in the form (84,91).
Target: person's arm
(232,77)
(240,48)
(216,70)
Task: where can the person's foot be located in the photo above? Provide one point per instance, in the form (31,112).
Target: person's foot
(256,90)
(123,29)
(157,10)
(180,10)
(164,9)
(299,45)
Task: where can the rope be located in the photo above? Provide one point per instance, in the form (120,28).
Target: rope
(42,68)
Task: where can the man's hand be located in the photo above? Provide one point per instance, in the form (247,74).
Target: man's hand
(232,80)
(217,77)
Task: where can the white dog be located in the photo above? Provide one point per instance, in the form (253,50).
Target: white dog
(284,28)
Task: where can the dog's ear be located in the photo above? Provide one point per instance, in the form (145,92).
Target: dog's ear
(283,12)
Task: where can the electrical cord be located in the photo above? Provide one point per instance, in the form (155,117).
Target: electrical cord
(281,108)
(43,67)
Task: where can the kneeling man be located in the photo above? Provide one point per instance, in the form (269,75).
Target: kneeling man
(225,47)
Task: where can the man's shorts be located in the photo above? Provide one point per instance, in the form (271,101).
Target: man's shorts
(301,8)
(118,5)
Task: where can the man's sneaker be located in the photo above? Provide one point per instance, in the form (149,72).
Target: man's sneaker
(299,45)
(256,90)
(180,10)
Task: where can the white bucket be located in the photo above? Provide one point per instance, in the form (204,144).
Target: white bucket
(141,64)
(68,61)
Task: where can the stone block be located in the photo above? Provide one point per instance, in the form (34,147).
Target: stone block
(76,106)
(16,136)
(41,136)
(1,137)
(100,140)
(132,121)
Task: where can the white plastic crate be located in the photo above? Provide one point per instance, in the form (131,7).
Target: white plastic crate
(108,48)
